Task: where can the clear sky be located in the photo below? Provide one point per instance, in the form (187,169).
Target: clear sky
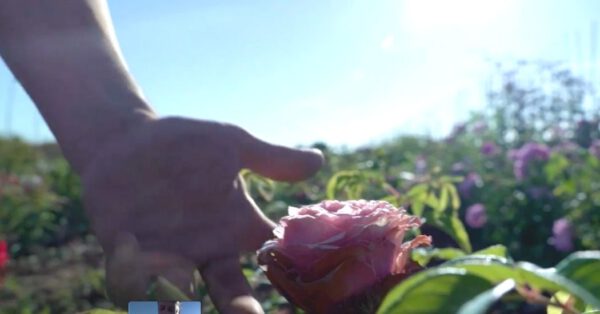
(346,72)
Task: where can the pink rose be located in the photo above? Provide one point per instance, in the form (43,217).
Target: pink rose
(327,254)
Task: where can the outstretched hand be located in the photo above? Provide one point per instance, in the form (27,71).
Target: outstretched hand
(171,188)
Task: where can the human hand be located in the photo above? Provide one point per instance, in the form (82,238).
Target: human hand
(174,185)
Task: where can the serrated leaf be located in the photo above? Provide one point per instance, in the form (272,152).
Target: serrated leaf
(439,290)
(481,303)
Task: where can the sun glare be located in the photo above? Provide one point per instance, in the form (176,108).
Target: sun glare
(428,15)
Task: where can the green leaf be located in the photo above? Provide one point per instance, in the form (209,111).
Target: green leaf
(432,201)
(528,271)
(496,250)
(481,303)
(350,182)
(439,290)
(417,208)
(563,298)
(418,189)
(424,255)
(494,268)
(443,198)
(555,166)
(497,269)
(582,268)
(452,225)
(454,197)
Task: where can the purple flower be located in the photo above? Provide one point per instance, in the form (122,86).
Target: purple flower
(458,130)
(566,148)
(595,148)
(562,235)
(534,151)
(480,126)
(467,185)
(489,149)
(525,155)
(476,216)
(539,192)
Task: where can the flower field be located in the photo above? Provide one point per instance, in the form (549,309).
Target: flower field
(524,173)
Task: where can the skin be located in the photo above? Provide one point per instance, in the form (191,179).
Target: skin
(170,186)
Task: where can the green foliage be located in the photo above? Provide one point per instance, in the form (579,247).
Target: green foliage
(464,284)
(441,290)
(437,179)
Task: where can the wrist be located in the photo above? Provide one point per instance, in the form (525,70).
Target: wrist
(82,140)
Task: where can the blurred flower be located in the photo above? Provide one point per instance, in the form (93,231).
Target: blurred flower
(556,133)
(471,181)
(489,149)
(525,155)
(480,126)
(476,216)
(458,168)
(329,254)
(562,235)
(566,148)
(3,254)
(595,148)
(538,192)
(420,165)
(3,259)
(31,183)
(512,154)
(457,130)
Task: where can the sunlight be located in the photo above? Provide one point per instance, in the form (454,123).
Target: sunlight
(430,15)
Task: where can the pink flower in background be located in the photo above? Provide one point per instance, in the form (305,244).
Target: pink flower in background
(3,259)
(489,149)
(471,181)
(3,254)
(525,155)
(476,216)
(562,235)
(327,254)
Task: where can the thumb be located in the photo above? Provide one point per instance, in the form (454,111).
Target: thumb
(279,162)
(228,288)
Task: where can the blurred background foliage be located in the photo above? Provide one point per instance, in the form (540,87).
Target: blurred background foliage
(524,172)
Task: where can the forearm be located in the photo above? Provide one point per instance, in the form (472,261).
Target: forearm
(66,56)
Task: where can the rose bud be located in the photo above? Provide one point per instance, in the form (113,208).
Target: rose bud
(340,256)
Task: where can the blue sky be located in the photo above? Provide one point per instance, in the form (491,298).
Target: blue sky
(346,72)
